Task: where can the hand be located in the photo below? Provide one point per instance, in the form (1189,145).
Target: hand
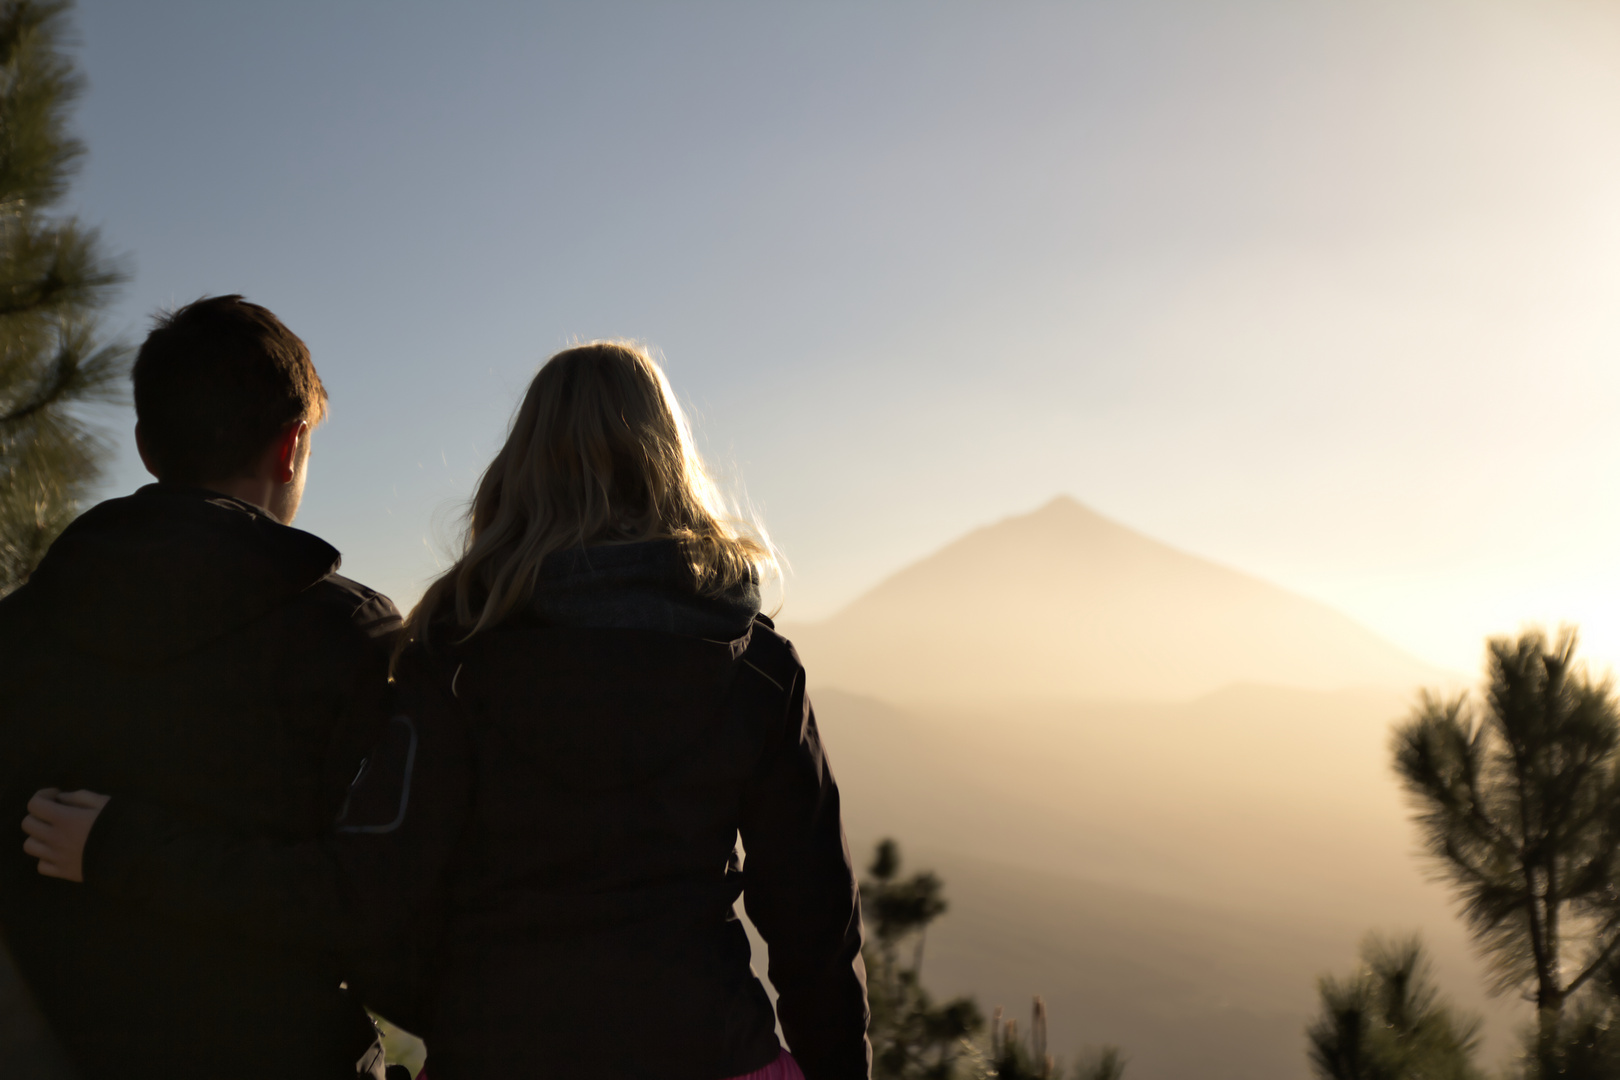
(58,824)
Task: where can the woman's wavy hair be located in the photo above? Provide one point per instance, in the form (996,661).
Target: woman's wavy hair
(599,453)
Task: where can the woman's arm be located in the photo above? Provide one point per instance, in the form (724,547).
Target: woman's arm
(799,889)
(369,890)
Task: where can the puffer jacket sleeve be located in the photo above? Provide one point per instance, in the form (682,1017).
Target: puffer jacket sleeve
(370,891)
(799,889)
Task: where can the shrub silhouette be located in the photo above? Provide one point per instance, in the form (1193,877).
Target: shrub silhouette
(1014,1058)
(912,1038)
(1387,1022)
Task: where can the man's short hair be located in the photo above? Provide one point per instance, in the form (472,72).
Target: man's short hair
(215,382)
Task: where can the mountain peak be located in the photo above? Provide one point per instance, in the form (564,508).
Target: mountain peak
(1062,602)
(1063,504)
(1064,516)
(1065,508)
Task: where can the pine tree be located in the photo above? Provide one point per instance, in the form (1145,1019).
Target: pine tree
(912,1038)
(1519,805)
(1387,1022)
(54,280)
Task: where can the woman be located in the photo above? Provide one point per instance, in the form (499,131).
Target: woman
(592,712)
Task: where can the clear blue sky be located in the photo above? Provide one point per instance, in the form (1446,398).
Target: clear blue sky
(1327,292)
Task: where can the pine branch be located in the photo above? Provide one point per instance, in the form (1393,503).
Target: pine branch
(1598,962)
(54,279)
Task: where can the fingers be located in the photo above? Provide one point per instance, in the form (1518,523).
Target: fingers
(47,802)
(38,828)
(88,800)
(41,834)
(43,842)
(44,805)
(67,821)
(49,864)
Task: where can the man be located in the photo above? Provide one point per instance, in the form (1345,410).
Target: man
(185,645)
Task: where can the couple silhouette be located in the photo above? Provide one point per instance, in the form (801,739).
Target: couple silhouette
(258,803)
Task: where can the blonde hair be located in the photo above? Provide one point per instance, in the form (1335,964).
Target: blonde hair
(599,453)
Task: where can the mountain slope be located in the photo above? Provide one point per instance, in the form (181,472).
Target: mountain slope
(1064,604)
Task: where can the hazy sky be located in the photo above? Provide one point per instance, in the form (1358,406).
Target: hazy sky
(1326,292)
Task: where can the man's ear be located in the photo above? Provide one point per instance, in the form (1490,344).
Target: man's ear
(289,446)
(140,448)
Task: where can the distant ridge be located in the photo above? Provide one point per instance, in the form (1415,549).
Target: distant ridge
(1063,603)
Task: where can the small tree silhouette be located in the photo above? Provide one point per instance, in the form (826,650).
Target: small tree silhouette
(1519,805)
(1387,1022)
(1014,1058)
(912,1039)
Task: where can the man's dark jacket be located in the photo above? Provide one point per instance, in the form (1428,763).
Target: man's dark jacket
(187,649)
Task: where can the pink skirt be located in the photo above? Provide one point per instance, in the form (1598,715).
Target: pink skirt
(783,1068)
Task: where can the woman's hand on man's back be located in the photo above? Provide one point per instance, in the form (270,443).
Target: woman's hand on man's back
(58,825)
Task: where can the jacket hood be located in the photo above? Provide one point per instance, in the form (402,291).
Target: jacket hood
(641,586)
(619,669)
(169,569)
